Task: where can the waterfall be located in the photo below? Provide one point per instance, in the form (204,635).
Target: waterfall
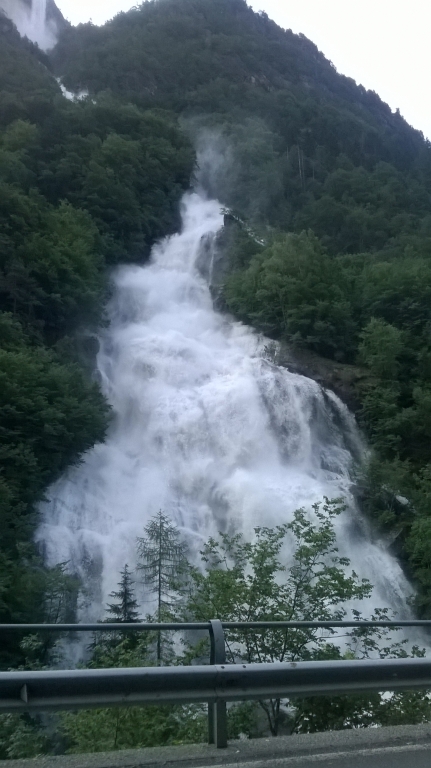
(38,18)
(206,427)
(41,31)
(32,22)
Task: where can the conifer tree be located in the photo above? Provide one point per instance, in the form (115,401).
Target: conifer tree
(125,609)
(163,565)
(107,645)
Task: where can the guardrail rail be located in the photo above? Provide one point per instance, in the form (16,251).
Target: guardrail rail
(216,683)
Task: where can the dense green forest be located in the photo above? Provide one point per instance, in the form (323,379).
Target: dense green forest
(82,186)
(337,188)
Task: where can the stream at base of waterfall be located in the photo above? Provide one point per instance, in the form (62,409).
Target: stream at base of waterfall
(205,427)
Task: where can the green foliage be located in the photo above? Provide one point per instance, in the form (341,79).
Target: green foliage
(342,712)
(125,607)
(29,591)
(21,738)
(50,270)
(81,184)
(249,581)
(291,572)
(106,730)
(100,730)
(380,348)
(398,291)
(163,566)
(259,581)
(298,145)
(113,648)
(294,291)
(338,188)
(126,167)
(162,563)
(27,89)
(419,548)
(49,414)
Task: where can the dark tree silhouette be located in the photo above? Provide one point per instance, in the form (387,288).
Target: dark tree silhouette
(125,609)
(163,566)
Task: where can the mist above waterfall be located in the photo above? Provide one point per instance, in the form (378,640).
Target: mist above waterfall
(205,427)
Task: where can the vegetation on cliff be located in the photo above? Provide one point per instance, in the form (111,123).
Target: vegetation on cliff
(82,186)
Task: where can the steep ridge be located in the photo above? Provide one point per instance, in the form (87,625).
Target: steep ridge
(218,55)
(287,128)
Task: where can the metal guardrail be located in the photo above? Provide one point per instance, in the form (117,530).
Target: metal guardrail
(102,626)
(89,688)
(215,684)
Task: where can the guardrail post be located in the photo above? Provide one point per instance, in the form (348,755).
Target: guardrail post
(217,715)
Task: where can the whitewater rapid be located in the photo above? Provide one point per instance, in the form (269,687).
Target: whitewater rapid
(206,427)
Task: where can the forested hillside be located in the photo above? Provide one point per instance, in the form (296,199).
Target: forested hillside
(328,250)
(338,187)
(82,186)
(291,118)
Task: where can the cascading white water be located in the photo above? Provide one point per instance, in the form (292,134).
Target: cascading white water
(206,428)
(38,18)
(32,21)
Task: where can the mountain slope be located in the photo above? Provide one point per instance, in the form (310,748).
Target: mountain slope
(338,188)
(284,119)
(43,32)
(201,55)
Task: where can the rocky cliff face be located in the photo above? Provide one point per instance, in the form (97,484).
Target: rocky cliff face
(22,14)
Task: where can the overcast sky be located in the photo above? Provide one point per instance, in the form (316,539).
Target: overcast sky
(382,44)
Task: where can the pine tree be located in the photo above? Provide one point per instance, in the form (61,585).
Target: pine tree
(122,611)
(126,605)
(163,564)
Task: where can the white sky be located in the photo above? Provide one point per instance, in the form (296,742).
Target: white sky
(382,44)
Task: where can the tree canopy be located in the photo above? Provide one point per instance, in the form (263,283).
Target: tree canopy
(82,186)
(292,572)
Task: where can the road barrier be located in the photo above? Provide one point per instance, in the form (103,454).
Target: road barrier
(216,683)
